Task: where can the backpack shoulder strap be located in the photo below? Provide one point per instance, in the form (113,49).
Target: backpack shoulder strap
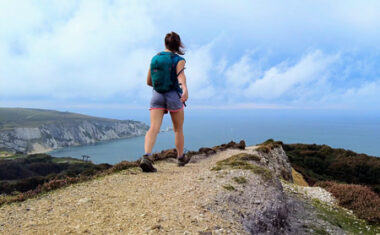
(172,59)
(181,71)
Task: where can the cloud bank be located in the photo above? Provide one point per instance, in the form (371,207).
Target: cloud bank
(248,54)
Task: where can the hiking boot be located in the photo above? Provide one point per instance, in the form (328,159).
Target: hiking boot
(146,164)
(182,161)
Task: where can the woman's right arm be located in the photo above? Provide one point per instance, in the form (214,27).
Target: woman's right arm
(149,79)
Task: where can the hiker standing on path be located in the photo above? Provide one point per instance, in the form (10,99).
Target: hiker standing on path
(167,77)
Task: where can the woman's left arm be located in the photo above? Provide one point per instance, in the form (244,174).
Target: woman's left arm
(182,80)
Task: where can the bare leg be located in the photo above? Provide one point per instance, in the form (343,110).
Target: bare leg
(156,116)
(177,119)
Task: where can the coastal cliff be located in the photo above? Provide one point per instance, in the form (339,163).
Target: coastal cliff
(36,131)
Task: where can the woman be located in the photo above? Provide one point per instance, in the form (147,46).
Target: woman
(169,97)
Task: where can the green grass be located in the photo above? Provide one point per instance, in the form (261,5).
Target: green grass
(54,160)
(4,154)
(320,231)
(14,156)
(229,187)
(316,230)
(339,217)
(240,180)
(268,145)
(23,117)
(67,160)
(123,165)
(240,161)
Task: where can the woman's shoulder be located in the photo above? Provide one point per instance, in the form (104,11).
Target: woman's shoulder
(176,56)
(179,58)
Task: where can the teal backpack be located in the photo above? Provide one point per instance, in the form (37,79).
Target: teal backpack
(163,72)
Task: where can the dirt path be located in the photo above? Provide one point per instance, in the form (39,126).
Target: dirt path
(172,201)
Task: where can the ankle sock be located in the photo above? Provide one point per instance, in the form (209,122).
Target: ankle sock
(183,155)
(147,154)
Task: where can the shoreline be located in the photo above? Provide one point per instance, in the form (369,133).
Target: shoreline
(48,150)
(167,129)
(90,144)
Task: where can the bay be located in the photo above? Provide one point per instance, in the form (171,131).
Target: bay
(360,134)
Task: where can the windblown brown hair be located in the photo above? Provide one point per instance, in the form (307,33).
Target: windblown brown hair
(173,43)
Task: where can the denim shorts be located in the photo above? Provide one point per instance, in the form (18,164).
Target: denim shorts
(168,101)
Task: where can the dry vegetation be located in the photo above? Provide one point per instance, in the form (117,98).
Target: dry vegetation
(323,163)
(268,145)
(298,178)
(358,174)
(360,199)
(244,161)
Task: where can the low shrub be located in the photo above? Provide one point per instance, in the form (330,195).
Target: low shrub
(242,161)
(44,168)
(360,199)
(323,163)
(122,166)
(229,187)
(240,180)
(268,145)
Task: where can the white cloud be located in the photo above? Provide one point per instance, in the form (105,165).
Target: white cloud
(282,78)
(98,51)
(221,65)
(241,73)
(367,18)
(367,95)
(200,64)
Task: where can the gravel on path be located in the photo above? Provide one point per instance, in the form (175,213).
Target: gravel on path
(173,200)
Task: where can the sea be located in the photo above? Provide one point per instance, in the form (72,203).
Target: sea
(357,131)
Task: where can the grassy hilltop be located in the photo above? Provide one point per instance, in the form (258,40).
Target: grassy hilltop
(25,117)
(37,130)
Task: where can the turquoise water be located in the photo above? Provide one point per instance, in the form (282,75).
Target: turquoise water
(360,134)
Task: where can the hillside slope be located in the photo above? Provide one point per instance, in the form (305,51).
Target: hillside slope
(36,130)
(230,192)
(323,163)
(25,117)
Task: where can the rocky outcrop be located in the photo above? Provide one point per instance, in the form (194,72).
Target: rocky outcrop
(67,133)
(277,161)
(259,205)
(255,196)
(257,193)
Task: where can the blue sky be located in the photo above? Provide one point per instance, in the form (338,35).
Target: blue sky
(94,55)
